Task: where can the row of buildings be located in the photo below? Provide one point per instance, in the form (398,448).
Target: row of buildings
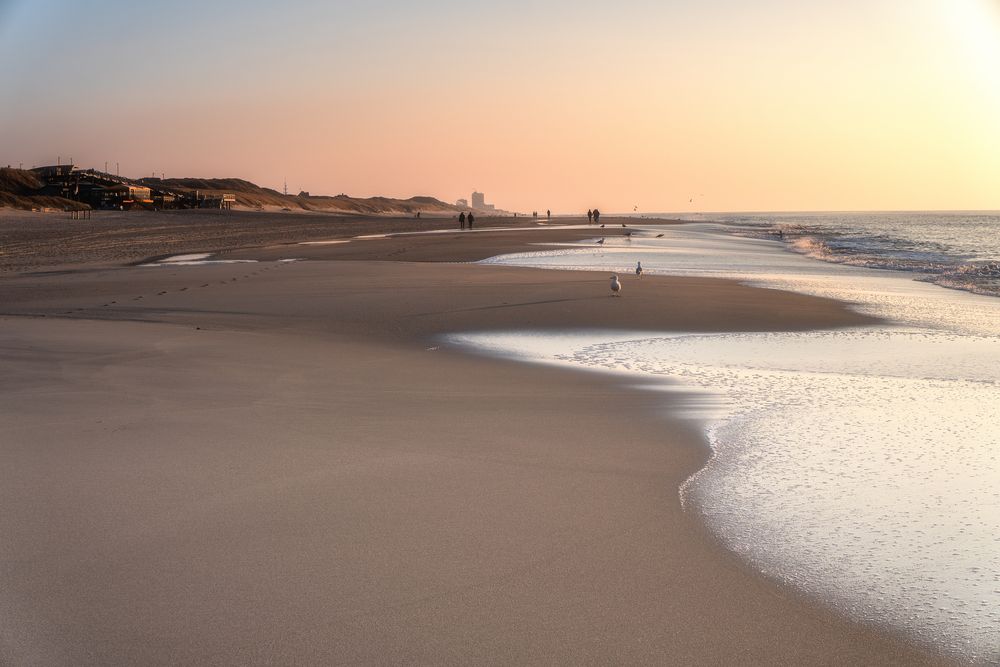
(478,203)
(109,191)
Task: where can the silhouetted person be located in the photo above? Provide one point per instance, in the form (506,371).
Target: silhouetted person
(597,216)
(461,220)
(471,219)
(590,217)
(548,214)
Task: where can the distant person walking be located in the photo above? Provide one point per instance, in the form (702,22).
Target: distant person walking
(590,217)
(471,219)
(548,214)
(597,216)
(461,220)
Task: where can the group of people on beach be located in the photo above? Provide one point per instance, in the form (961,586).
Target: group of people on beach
(593,216)
(463,219)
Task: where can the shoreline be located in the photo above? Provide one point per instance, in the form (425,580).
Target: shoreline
(539,492)
(778,469)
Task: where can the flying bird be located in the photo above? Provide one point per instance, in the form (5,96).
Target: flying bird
(638,269)
(616,287)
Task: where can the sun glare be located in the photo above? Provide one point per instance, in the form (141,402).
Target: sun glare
(976,24)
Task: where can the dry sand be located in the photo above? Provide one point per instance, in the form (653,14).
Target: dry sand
(31,241)
(280,463)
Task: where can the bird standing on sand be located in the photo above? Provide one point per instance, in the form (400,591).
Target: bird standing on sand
(624,225)
(601,242)
(616,287)
(638,269)
(659,236)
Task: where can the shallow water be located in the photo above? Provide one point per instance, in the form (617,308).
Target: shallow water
(862,465)
(959,249)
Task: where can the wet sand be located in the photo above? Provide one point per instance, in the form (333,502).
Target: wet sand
(282,463)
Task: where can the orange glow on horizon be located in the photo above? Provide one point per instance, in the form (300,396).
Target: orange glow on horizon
(866,106)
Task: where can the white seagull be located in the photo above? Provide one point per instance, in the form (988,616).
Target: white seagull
(638,269)
(616,287)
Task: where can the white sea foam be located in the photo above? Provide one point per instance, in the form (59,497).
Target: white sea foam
(862,465)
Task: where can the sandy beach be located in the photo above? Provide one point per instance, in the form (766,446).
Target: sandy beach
(282,462)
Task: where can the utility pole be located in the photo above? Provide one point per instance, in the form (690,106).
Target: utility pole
(116,169)
(286,187)
(105,166)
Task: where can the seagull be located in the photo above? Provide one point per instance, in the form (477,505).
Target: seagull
(659,236)
(601,242)
(602,226)
(616,286)
(638,269)
(624,225)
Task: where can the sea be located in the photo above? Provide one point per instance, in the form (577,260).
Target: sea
(950,248)
(861,465)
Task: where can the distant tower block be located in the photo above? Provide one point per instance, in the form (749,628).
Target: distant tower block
(478,200)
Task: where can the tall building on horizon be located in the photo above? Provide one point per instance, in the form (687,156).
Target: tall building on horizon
(478,200)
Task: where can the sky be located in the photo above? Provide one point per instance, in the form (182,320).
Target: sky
(648,105)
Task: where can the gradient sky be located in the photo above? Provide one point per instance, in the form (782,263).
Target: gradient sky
(765,105)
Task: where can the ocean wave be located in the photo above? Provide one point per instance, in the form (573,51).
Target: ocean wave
(865,253)
(978,278)
(932,261)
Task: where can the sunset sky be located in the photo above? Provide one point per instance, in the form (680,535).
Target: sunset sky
(561,104)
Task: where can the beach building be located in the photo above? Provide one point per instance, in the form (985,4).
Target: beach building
(110,191)
(479,202)
(220,200)
(462,203)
